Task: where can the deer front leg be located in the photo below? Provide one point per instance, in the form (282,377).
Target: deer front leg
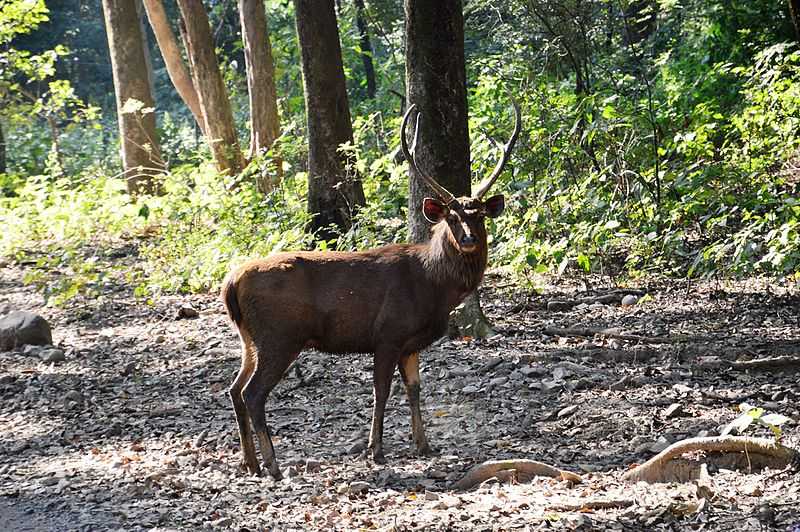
(409,371)
(384,363)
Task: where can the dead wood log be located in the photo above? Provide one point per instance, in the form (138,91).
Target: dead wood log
(556,305)
(614,333)
(525,471)
(656,469)
(591,505)
(779,362)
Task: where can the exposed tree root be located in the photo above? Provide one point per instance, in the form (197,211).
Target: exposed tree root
(520,470)
(757,453)
(468,319)
(616,296)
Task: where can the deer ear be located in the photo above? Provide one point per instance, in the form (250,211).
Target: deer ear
(434,210)
(495,205)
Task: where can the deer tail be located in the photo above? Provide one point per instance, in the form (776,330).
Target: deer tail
(230,300)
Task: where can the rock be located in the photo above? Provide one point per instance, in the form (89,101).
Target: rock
(568,411)
(469,389)
(356,448)
(31,350)
(629,300)
(313,466)
(431,496)
(498,381)
(659,445)
(52,355)
(187,311)
(533,370)
(673,410)
(21,327)
(73,395)
(358,487)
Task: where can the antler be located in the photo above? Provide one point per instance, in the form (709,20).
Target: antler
(443,193)
(484,188)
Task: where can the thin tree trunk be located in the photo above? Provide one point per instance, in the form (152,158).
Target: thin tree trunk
(334,189)
(148,61)
(264,122)
(366,49)
(214,103)
(141,158)
(170,51)
(436,84)
(2,151)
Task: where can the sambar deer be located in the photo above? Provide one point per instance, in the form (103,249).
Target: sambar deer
(392,301)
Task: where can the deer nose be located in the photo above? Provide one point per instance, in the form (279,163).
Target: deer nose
(469,241)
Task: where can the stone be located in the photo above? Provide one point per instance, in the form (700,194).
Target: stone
(313,466)
(629,300)
(431,496)
(358,487)
(568,411)
(187,311)
(21,327)
(52,355)
(471,388)
(674,410)
(73,395)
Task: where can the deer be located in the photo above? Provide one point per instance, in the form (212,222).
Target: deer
(392,301)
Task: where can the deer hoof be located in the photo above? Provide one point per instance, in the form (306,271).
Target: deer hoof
(250,468)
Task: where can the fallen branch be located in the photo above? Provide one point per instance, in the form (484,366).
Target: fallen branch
(656,469)
(525,470)
(616,296)
(779,362)
(614,333)
(591,505)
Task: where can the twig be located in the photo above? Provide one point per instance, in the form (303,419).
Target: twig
(591,505)
(614,333)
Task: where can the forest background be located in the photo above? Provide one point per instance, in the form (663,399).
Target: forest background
(659,136)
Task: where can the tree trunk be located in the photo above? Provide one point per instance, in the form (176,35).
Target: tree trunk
(264,122)
(141,158)
(334,189)
(148,60)
(794,13)
(214,103)
(176,69)
(436,83)
(366,49)
(2,151)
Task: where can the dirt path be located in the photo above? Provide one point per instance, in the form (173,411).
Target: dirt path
(134,430)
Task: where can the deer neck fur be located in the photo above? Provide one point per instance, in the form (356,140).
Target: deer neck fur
(448,267)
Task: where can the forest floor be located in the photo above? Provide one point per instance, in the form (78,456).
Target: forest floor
(134,431)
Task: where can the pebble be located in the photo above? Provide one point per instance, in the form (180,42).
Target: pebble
(629,300)
(187,311)
(568,411)
(52,355)
(358,487)
(73,395)
(431,496)
(471,388)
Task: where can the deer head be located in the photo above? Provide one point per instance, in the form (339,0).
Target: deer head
(464,217)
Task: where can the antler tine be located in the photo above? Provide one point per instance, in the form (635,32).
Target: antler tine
(509,146)
(443,193)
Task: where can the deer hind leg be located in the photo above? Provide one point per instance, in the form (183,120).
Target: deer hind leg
(249,460)
(271,364)
(384,363)
(409,371)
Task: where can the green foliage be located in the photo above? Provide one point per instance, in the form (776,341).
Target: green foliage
(751,414)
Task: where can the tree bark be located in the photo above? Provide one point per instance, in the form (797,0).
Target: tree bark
(436,83)
(366,49)
(334,189)
(141,158)
(170,51)
(2,151)
(264,122)
(214,103)
(794,14)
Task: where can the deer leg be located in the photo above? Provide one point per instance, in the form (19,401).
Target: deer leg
(249,460)
(384,363)
(409,371)
(270,367)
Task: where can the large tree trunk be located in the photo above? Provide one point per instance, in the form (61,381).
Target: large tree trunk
(176,69)
(794,13)
(334,189)
(214,103)
(436,83)
(264,123)
(141,157)
(366,48)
